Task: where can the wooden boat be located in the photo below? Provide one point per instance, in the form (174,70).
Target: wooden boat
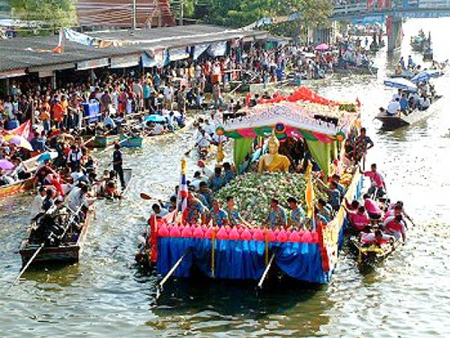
(402,120)
(23,185)
(370,256)
(15,188)
(405,74)
(131,142)
(68,252)
(102,141)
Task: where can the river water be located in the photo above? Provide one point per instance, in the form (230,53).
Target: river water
(106,295)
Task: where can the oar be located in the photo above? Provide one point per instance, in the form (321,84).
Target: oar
(263,277)
(28,264)
(147,197)
(170,273)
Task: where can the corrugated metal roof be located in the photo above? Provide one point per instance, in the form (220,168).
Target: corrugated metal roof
(30,52)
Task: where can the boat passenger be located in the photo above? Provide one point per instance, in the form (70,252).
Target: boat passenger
(5,179)
(205,171)
(48,202)
(393,107)
(218,215)
(117,164)
(217,181)
(195,210)
(351,207)
(159,211)
(424,103)
(377,238)
(396,226)
(334,195)
(228,174)
(377,185)
(198,178)
(363,143)
(359,219)
(404,103)
(234,217)
(277,215)
(203,140)
(36,206)
(411,63)
(372,208)
(397,209)
(297,216)
(323,210)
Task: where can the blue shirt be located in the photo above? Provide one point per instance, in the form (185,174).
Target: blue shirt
(194,210)
(218,217)
(233,216)
(228,176)
(147,91)
(276,218)
(297,217)
(217,182)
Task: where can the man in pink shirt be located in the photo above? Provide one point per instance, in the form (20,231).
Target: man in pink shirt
(377,184)
(359,220)
(372,207)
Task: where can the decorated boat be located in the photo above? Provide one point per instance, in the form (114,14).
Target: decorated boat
(64,245)
(247,249)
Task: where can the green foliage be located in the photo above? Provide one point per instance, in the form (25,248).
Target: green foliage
(234,13)
(51,14)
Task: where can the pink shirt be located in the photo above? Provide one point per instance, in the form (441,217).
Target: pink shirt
(372,207)
(375,177)
(359,221)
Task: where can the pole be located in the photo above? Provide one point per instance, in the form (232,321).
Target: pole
(170,273)
(28,264)
(181,12)
(134,14)
(263,277)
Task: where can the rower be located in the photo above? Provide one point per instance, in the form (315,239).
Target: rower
(377,239)
(117,164)
(372,208)
(203,140)
(158,211)
(395,225)
(36,208)
(359,219)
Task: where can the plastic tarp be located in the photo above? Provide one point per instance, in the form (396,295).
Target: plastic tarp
(178,54)
(155,59)
(199,50)
(240,259)
(242,147)
(218,49)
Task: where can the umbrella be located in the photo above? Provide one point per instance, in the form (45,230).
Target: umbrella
(6,165)
(19,141)
(401,83)
(426,75)
(322,46)
(155,118)
(48,155)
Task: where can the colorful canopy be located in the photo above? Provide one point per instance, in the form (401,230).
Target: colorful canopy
(18,141)
(426,75)
(6,165)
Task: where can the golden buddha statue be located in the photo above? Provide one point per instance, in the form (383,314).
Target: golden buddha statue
(273,161)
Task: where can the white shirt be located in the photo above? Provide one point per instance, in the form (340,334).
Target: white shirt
(75,199)
(162,212)
(393,108)
(76,176)
(36,206)
(157,129)
(203,141)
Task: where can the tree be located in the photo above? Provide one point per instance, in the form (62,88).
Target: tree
(236,13)
(51,14)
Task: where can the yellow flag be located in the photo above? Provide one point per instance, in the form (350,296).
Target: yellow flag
(309,191)
(183,166)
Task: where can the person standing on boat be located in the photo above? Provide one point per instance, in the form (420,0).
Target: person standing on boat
(117,164)
(36,207)
(402,63)
(411,63)
(363,144)
(377,185)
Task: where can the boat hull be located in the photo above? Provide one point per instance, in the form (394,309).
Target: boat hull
(16,188)
(134,142)
(69,253)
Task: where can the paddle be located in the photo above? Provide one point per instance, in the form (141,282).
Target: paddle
(144,196)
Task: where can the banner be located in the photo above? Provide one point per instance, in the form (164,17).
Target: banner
(90,64)
(155,59)
(125,61)
(218,49)
(80,38)
(199,50)
(178,54)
